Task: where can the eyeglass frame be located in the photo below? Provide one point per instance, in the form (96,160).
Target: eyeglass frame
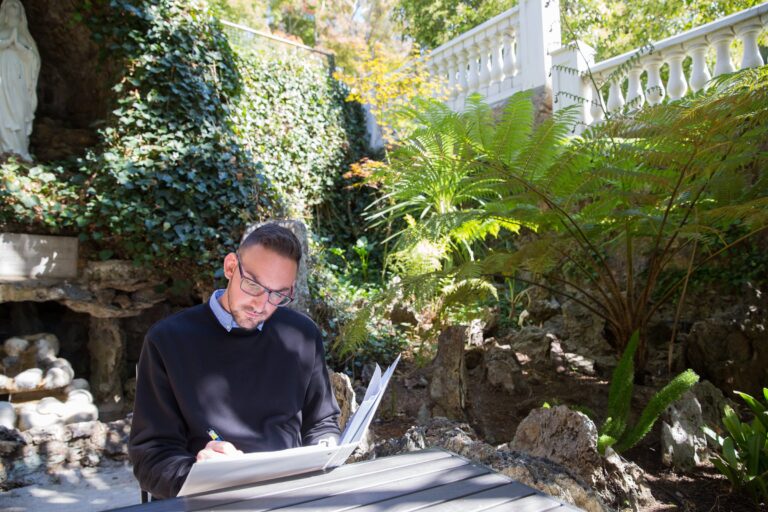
(268,291)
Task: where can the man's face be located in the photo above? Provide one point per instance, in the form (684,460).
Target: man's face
(266,267)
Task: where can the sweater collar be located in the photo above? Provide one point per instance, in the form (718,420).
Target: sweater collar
(226,320)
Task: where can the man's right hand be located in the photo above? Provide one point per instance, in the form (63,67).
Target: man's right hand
(216,450)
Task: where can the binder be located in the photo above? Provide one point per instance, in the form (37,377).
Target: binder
(249,468)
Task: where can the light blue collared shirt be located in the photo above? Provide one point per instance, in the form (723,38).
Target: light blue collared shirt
(226,320)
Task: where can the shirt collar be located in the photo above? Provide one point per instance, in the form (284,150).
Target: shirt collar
(226,320)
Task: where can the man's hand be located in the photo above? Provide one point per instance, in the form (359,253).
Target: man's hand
(217,449)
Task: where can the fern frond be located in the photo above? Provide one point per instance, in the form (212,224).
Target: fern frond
(620,392)
(660,401)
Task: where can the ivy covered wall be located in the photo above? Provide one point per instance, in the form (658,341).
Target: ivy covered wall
(201,141)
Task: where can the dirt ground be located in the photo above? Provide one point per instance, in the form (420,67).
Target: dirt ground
(495,414)
(108,486)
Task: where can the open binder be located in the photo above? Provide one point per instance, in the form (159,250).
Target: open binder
(255,467)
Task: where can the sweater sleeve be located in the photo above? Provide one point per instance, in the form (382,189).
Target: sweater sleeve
(320,414)
(158,443)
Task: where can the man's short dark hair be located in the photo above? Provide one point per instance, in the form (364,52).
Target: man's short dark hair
(276,238)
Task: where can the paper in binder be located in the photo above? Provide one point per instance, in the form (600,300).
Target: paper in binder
(256,467)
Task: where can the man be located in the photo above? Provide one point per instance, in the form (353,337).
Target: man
(241,367)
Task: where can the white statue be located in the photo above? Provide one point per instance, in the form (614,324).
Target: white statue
(19,67)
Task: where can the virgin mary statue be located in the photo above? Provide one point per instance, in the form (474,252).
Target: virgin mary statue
(19,67)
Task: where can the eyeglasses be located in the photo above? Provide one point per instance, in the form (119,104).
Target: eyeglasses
(254,289)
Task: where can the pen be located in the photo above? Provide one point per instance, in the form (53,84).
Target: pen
(214,435)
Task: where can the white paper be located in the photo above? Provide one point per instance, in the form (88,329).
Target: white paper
(256,467)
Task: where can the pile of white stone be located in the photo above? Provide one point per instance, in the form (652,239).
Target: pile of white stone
(31,364)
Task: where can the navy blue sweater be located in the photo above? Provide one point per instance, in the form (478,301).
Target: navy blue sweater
(261,390)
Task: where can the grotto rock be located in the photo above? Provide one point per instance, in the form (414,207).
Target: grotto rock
(569,438)
(502,369)
(449,375)
(107,348)
(729,348)
(345,396)
(563,436)
(683,444)
(530,344)
(459,438)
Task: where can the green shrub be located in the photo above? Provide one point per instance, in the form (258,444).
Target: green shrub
(185,157)
(615,431)
(293,118)
(743,456)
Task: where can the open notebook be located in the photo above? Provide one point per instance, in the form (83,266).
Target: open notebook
(256,467)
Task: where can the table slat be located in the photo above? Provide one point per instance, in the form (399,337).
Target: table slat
(435,495)
(485,500)
(358,484)
(533,503)
(214,499)
(385,491)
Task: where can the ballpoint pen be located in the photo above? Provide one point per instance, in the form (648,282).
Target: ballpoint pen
(214,435)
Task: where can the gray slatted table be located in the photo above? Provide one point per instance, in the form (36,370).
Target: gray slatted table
(429,480)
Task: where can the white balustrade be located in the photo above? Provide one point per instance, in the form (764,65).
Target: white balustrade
(699,68)
(635,96)
(716,37)
(504,55)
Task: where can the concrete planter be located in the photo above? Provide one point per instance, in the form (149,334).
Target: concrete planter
(34,256)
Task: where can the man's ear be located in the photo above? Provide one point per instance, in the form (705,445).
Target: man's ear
(230,265)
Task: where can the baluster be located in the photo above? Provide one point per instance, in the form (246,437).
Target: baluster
(596,109)
(497,69)
(463,79)
(654,89)
(699,69)
(722,43)
(484,77)
(442,73)
(473,73)
(635,97)
(676,85)
(748,32)
(453,73)
(615,96)
(510,57)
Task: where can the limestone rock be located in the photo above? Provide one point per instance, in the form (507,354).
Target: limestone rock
(530,344)
(584,332)
(63,365)
(683,444)
(626,482)
(345,396)
(7,415)
(461,439)
(30,417)
(28,379)
(78,384)
(47,347)
(5,381)
(502,369)
(447,388)
(729,348)
(56,378)
(11,441)
(15,346)
(116,441)
(107,347)
(563,436)
(569,438)
(122,275)
(712,402)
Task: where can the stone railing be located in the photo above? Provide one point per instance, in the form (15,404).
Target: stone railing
(638,74)
(246,37)
(504,55)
